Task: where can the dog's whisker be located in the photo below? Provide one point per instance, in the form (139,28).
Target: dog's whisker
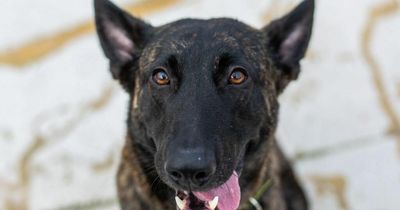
(152,184)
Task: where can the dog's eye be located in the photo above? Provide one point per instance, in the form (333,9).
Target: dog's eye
(238,76)
(160,77)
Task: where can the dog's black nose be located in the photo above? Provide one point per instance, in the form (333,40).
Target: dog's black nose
(190,166)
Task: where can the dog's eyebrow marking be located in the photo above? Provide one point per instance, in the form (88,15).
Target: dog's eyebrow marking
(136,94)
(151,54)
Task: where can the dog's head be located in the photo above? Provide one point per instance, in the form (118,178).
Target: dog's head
(203,91)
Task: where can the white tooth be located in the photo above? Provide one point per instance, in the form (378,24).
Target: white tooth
(180,203)
(213,204)
(186,192)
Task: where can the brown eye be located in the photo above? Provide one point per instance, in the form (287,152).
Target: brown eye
(160,77)
(238,76)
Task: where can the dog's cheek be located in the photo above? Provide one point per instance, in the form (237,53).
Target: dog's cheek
(153,116)
(249,119)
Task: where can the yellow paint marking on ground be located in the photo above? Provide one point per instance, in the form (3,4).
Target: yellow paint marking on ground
(375,15)
(41,47)
(276,10)
(105,164)
(335,185)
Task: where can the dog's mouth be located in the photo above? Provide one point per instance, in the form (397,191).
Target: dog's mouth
(223,197)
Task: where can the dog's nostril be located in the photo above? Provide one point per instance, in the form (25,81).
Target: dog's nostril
(201,177)
(176,175)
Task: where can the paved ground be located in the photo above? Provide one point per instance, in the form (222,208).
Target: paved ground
(61,116)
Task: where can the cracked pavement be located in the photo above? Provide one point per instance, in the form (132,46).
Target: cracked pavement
(62,117)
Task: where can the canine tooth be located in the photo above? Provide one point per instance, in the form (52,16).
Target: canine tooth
(186,192)
(180,203)
(213,204)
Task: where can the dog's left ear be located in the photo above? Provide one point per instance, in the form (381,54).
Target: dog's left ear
(287,40)
(122,38)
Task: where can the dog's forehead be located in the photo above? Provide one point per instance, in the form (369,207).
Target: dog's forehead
(212,30)
(199,37)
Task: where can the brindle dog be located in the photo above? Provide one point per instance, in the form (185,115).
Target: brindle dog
(203,109)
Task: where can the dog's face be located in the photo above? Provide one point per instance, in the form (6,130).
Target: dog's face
(203,92)
(201,99)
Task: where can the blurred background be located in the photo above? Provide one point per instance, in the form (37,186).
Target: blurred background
(62,118)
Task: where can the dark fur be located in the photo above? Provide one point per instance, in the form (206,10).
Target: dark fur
(199,114)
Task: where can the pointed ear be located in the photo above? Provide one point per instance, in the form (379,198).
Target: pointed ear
(121,35)
(288,38)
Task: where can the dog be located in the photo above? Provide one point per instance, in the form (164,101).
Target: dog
(203,109)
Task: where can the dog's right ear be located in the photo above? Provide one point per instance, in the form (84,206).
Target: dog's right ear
(122,38)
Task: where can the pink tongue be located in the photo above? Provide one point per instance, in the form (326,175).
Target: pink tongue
(228,194)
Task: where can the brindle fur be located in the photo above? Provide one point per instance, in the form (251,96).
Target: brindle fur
(141,185)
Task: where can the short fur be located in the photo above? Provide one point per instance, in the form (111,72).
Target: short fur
(199,112)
